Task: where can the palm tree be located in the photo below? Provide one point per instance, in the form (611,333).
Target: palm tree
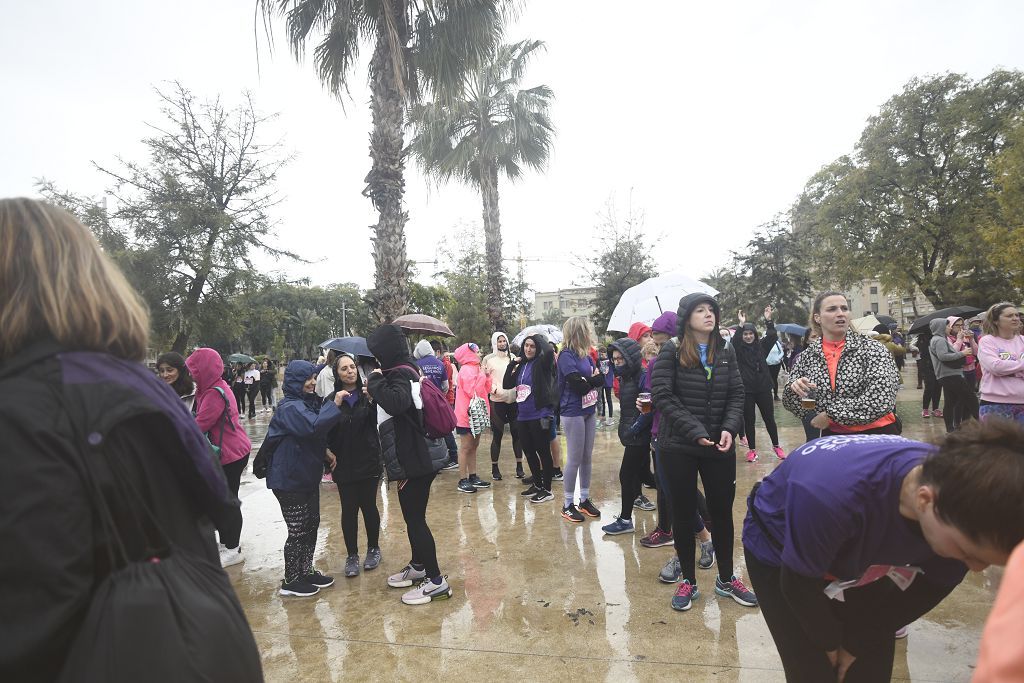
(420,46)
(494,127)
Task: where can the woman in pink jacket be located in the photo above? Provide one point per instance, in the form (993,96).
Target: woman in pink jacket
(472,383)
(217,417)
(1001,354)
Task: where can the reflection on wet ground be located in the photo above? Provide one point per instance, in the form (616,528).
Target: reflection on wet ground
(540,598)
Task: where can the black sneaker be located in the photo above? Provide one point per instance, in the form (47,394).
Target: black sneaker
(479,483)
(587,508)
(530,491)
(465,486)
(571,514)
(519,471)
(319,580)
(495,473)
(451,465)
(527,480)
(541,497)
(557,476)
(299,588)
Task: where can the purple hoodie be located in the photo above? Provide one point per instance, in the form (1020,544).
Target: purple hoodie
(667,322)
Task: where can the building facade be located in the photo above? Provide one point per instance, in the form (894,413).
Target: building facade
(575,301)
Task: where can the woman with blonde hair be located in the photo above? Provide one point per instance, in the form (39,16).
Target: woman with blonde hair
(108,483)
(579,381)
(1001,354)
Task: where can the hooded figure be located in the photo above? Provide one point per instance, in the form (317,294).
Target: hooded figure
(431,365)
(666,323)
(947,361)
(399,422)
(542,397)
(473,381)
(300,425)
(494,364)
(213,403)
(751,357)
(970,341)
(629,375)
(638,330)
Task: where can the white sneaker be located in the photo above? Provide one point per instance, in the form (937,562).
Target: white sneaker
(230,556)
(428,591)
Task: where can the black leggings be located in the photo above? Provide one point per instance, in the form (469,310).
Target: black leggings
(266,395)
(536,443)
(230,535)
(961,403)
(718,474)
(253,390)
(764,403)
(774,371)
(932,390)
(413,495)
(359,496)
(301,512)
(504,414)
(605,396)
(665,502)
(238,389)
(635,465)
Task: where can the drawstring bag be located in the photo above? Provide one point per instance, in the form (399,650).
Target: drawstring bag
(479,420)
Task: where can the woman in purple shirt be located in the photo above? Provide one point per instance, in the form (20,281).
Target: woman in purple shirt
(532,378)
(854,536)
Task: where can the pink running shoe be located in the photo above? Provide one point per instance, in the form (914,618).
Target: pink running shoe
(936,413)
(752,456)
(779,453)
(925,414)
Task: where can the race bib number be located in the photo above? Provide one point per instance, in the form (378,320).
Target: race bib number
(523,392)
(590,398)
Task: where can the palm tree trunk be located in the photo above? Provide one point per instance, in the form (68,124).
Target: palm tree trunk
(385,186)
(492,244)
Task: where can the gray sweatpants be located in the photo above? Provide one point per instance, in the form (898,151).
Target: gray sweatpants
(579,454)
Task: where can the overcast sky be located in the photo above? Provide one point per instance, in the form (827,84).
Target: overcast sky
(709,118)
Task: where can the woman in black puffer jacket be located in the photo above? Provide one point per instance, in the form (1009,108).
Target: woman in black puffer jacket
(697,388)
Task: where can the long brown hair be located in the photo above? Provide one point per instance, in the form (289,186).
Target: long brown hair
(689,352)
(56,282)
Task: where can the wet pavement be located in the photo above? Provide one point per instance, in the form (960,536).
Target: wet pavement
(540,598)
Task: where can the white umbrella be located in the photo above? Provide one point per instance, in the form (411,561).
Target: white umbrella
(550,331)
(865,325)
(649,299)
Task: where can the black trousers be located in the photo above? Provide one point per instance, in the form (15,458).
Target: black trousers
(301,512)
(634,467)
(266,395)
(665,502)
(932,390)
(889,608)
(536,443)
(961,403)
(764,403)
(232,531)
(718,474)
(238,389)
(413,495)
(774,371)
(504,414)
(356,497)
(604,396)
(252,391)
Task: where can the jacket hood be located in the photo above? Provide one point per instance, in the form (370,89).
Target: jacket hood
(295,376)
(466,354)
(949,322)
(748,326)
(206,368)
(637,330)
(494,342)
(545,354)
(686,306)
(423,349)
(938,327)
(667,323)
(389,345)
(631,351)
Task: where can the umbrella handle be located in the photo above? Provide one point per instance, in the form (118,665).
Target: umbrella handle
(658,301)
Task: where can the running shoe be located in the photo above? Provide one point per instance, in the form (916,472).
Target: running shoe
(466,486)
(587,508)
(319,580)
(557,476)
(657,539)
(925,414)
(751,456)
(519,470)
(672,571)
(707,555)
(495,473)
(372,559)
(541,497)
(299,588)
(736,590)
(527,480)
(685,594)
(451,465)
(779,453)
(532,491)
(571,513)
(479,483)
(428,591)
(642,502)
(619,526)
(230,556)
(352,566)
(936,413)
(406,577)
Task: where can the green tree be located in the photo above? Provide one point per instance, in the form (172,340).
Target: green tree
(1004,231)
(419,47)
(623,259)
(909,203)
(465,278)
(494,128)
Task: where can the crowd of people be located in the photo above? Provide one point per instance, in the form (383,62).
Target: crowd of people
(856,533)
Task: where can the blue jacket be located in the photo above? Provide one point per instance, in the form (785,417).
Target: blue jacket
(300,425)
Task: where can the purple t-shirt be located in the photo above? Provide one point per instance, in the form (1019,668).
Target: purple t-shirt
(833,504)
(433,368)
(571,403)
(528,407)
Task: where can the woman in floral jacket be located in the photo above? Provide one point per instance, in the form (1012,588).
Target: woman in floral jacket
(853,379)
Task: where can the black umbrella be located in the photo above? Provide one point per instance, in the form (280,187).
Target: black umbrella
(886,320)
(921,324)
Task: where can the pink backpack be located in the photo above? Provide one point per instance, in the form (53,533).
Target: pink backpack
(438,416)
